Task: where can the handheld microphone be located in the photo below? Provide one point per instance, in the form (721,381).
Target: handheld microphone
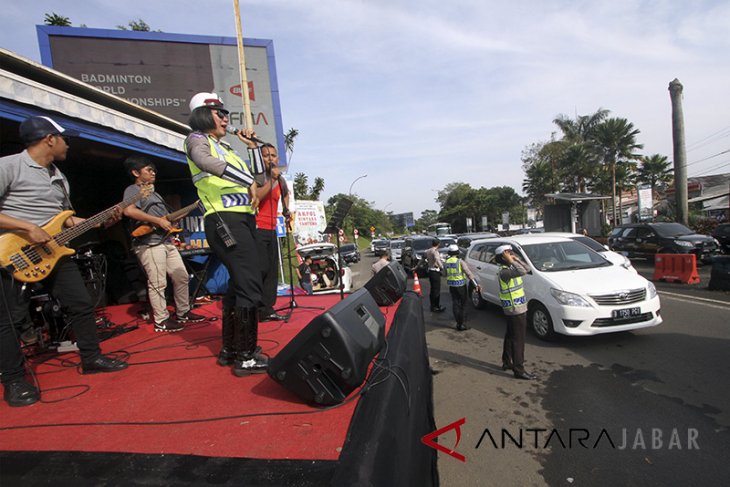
(234,131)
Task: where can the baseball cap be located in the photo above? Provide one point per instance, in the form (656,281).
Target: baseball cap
(34,128)
(500,250)
(205,99)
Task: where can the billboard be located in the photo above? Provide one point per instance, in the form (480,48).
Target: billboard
(162,71)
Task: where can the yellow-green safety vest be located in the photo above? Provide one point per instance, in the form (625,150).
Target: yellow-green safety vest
(454,273)
(216,193)
(512,293)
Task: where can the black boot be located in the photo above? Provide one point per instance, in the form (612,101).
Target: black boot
(227,353)
(248,360)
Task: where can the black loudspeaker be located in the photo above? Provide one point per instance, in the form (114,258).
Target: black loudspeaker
(388,285)
(329,358)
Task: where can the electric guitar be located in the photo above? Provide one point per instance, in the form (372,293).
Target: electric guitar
(29,262)
(172,217)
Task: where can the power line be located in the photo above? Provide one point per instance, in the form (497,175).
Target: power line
(719,134)
(714,168)
(707,158)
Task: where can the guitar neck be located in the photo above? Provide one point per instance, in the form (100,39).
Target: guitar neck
(176,215)
(65,236)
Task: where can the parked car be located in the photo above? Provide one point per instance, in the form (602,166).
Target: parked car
(379,246)
(647,239)
(413,250)
(396,248)
(610,255)
(350,252)
(326,272)
(721,233)
(465,240)
(570,289)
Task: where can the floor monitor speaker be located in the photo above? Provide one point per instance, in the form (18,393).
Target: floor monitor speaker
(329,358)
(388,285)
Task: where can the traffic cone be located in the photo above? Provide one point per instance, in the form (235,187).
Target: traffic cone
(416,284)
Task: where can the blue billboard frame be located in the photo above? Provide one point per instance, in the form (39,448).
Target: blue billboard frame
(46,31)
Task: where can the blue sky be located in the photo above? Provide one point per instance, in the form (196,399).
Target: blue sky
(418,94)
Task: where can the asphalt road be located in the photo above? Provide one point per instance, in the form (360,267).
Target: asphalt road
(648,407)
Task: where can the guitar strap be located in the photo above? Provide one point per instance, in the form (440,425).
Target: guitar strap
(52,169)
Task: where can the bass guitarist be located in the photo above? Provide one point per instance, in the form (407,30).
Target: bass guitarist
(33,191)
(158,256)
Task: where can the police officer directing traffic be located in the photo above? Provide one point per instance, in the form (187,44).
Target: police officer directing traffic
(514,305)
(458,275)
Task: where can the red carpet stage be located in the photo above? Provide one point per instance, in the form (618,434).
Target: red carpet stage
(153,422)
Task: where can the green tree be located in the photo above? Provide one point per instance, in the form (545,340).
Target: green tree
(615,139)
(55,19)
(289,138)
(427,218)
(137,25)
(655,170)
(581,129)
(302,190)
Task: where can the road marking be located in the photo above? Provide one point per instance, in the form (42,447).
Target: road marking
(714,303)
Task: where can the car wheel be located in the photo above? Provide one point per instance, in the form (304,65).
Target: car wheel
(540,322)
(476,298)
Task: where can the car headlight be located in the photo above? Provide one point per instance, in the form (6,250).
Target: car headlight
(569,299)
(717,242)
(682,243)
(652,290)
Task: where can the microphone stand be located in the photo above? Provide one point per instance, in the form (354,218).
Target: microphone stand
(292,301)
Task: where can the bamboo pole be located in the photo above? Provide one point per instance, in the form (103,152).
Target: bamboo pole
(242,68)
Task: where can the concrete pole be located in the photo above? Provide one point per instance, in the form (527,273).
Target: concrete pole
(680,153)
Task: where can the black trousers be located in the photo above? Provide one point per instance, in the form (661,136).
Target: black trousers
(269,257)
(65,284)
(513,349)
(458,300)
(434,279)
(241,260)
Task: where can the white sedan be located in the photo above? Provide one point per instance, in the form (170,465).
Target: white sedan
(326,272)
(570,289)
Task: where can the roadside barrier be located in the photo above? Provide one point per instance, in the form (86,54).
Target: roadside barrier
(676,268)
(416,284)
(720,275)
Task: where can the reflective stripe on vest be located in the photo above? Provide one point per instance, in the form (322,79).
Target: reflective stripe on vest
(454,274)
(216,193)
(512,293)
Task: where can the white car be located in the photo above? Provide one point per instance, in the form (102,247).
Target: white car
(610,255)
(570,289)
(326,272)
(396,248)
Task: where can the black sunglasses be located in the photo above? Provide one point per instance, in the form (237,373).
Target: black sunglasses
(221,114)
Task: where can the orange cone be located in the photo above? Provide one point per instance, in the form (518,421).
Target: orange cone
(416,284)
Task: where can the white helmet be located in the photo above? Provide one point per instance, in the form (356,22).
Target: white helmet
(205,99)
(453,249)
(500,250)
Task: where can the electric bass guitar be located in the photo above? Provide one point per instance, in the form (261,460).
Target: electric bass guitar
(29,262)
(172,217)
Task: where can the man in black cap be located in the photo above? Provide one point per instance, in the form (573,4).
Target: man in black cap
(32,192)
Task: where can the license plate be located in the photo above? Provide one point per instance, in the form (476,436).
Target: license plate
(625,313)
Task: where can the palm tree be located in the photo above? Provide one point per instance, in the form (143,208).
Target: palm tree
(577,165)
(614,139)
(289,142)
(580,129)
(55,19)
(654,170)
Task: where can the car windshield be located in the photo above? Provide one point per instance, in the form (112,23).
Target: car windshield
(563,256)
(381,243)
(422,244)
(672,230)
(347,247)
(589,242)
(445,242)
(396,244)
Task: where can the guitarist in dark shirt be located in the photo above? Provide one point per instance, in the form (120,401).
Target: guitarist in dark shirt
(158,256)
(32,191)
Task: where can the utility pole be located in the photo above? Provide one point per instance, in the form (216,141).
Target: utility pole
(680,153)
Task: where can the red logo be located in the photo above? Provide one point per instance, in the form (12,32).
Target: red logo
(456,425)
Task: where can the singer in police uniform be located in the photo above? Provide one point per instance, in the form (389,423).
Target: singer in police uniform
(227,189)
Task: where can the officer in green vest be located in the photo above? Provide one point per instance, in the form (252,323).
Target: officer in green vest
(458,275)
(226,187)
(514,305)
